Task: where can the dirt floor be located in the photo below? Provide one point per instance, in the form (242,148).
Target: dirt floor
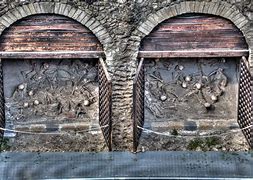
(67,142)
(78,142)
(230,142)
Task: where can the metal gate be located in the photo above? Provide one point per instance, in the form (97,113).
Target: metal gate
(105,103)
(245,101)
(138,104)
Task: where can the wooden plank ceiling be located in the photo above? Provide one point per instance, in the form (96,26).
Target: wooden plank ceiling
(48,33)
(194,35)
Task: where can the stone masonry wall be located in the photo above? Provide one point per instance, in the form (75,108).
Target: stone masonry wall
(120,25)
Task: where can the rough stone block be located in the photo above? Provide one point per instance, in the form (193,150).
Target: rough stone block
(235,17)
(2,28)
(72,12)
(67,10)
(190,126)
(173,10)
(62,8)
(215,8)
(165,13)
(98,29)
(251,59)
(8,19)
(234,126)
(82,127)
(81,16)
(196,6)
(27,10)
(12,14)
(243,26)
(57,8)
(37,8)
(51,128)
(4,22)
(220,9)
(182,8)
(17,14)
(201,7)
(32,9)
(85,19)
(154,24)
(240,20)
(47,7)
(192,6)
(169,13)
(221,125)
(94,25)
(22,11)
(145,28)
(67,127)
(178,9)
(153,20)
(38,128)
(76,14)
(22,128)
(228,13)
(166,126)
(232,15)
(204,125)
(206,7)
(210,8)
(175,125)
(42,9)
(160,15)
(223,12)
(188,6)
(90,22)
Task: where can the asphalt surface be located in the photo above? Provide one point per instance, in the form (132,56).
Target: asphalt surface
(114,165)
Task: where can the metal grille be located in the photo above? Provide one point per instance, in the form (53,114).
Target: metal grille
(2,117)
(138,107)
(245,101)
(105,102)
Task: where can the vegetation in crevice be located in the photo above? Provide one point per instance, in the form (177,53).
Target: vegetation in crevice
(4,146)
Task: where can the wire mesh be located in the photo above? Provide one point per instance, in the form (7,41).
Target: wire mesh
(105,103)
(138,107)
(245,101)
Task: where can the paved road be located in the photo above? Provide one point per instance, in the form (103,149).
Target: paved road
(125,164)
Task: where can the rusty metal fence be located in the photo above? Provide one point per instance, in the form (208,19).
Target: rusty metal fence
(105,103)
(138,106)
(245,101)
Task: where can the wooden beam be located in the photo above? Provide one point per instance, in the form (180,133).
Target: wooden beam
(52,55)
(193,54)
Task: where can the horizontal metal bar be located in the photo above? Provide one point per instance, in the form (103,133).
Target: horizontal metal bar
(197,53)
(51,55)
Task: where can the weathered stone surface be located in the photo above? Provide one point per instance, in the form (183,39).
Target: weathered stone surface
(120,27)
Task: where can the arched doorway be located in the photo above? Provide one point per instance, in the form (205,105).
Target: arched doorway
(190,80)
(54,83)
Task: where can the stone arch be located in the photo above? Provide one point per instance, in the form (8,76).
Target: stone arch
(222,9)
(77,14)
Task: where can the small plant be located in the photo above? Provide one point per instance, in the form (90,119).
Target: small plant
(174,132)
(205,144)
(212,141)
(4,144)
(195,143)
